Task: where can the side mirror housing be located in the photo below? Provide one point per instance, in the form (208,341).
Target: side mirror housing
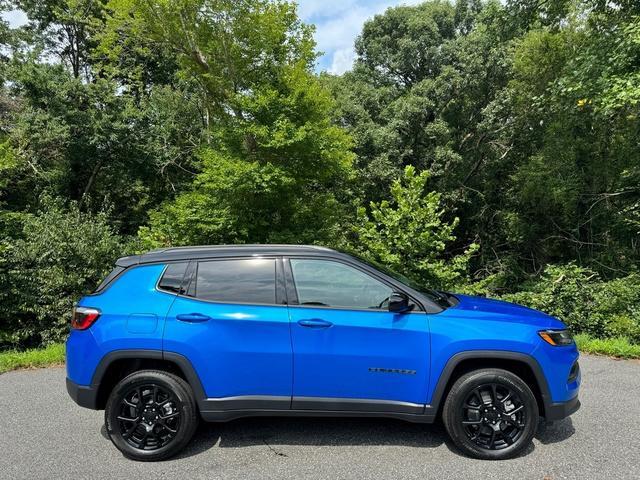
(399,303)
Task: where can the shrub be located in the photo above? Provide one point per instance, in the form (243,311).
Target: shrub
(579,297)
(60,254)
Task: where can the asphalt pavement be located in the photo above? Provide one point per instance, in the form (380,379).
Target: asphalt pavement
(43,434)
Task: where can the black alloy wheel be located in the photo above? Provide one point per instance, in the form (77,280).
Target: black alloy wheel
(151,415)
(493,416)
(490,414)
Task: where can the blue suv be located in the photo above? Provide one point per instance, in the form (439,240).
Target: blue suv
(222,332)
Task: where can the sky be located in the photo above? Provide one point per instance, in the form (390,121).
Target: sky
(338,23)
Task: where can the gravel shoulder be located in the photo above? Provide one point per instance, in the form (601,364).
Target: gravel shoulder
(43,434)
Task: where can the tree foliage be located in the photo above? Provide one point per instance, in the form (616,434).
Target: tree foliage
(275,163)
(585,302)
(408,234)
(525,115)
(484,145)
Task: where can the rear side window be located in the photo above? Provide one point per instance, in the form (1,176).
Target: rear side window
(109,278)
(172,279)
(251,280)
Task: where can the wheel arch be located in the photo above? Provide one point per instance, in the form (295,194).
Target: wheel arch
(116,365)
(520,364)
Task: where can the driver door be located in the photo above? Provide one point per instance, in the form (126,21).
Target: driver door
(349,351)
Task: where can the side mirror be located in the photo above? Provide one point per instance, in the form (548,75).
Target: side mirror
(399,303)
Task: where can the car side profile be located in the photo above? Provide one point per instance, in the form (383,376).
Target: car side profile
(222,332)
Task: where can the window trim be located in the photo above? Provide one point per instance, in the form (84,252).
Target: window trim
(279,281)
(293,293)
(107,285)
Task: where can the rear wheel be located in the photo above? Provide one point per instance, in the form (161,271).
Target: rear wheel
(490,414)
(151,415)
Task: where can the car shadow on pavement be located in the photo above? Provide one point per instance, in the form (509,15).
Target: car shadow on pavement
(276,433)
(555,432)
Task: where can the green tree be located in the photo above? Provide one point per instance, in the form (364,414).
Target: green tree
(571,129)
(77,132)
(524,114)
(430,113)
(409,234)
(65,30)
(275,166)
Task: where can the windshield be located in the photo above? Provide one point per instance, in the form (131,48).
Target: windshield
(437,297)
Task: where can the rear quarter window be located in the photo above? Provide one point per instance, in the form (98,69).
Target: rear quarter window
(173,278)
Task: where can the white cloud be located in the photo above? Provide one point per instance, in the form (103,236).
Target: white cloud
(310,9)
(338,23)
(342,61)
(16,18)
(341,30)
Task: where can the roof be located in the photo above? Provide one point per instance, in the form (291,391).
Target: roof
(215,251)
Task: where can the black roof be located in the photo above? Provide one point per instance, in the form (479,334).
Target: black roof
(176,254)
(214,251)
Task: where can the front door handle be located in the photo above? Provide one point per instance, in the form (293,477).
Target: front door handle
(193,317)
(314,323)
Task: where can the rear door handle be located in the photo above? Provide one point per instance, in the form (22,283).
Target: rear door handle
(314,323)
(193,317)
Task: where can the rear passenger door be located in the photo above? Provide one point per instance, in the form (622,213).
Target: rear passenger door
(229,319)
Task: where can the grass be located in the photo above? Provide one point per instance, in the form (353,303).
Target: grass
(619,347)
(39,357)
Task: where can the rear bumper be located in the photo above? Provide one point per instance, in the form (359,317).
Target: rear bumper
(84,395)
(560,410)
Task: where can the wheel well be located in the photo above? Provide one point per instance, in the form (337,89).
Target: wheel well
(120,368)
(517,367)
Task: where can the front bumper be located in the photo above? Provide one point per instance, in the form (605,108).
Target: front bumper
(560,410)
(84,395)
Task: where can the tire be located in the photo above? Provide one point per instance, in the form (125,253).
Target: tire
(156,428)
(499,410)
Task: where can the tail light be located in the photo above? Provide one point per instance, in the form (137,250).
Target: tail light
(84,317)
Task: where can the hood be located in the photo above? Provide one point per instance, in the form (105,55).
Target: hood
(505,311)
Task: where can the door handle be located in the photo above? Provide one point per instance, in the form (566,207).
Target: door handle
(193,317)
(314,323)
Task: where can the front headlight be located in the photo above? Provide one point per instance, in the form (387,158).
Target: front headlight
(557,338)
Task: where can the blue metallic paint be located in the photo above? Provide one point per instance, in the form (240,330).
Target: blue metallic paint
(242,350)
(262,350)
(134,292)
(335,361)
(484,324)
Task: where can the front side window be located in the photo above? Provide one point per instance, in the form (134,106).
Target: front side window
(333,284)
(251,280)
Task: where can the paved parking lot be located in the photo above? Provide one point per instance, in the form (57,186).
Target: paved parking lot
(43,434)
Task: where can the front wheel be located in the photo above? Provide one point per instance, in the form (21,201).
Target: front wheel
(490,414)
(151,415)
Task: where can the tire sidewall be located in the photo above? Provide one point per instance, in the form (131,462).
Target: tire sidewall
(453,413)
(186,406)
